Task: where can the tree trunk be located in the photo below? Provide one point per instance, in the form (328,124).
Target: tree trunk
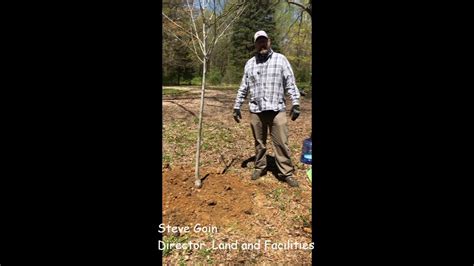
(198,182)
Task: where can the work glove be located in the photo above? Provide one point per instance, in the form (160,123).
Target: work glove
(237,115)
(295,112)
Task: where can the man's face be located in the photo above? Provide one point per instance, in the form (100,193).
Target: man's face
(262,44)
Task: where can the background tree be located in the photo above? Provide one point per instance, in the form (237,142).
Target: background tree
(294,25)
(178,61)
(260,15)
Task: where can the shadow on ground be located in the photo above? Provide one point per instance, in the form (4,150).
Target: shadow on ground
(271,166)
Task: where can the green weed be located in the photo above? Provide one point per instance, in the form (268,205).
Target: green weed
(172,239)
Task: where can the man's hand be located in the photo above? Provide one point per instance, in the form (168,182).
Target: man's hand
(295,112)
(237,115)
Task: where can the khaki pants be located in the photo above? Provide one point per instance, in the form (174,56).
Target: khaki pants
(276,122)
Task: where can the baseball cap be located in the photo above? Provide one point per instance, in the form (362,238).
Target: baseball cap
(259,34)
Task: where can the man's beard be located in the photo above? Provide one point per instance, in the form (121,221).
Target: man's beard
(263,54)
(264,51)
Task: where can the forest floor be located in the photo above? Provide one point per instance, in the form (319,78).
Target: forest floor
(266,211)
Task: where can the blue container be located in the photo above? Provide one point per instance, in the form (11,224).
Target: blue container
(307,154)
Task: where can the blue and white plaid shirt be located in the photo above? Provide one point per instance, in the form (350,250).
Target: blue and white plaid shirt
(267,83)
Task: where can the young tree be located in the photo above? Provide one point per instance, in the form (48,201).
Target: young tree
(214,21)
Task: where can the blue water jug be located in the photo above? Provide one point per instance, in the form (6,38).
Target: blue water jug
(306,155)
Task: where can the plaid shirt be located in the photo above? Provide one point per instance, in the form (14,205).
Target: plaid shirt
(267,83)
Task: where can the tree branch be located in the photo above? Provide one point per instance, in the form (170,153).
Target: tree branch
(307,9)
(194,25)
(228,25)
(292,24)
(190,33)
(216,38)
(202,13)
(297,4)
(236,7)
(186,44)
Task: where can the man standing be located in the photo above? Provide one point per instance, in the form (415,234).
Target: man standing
(267,76)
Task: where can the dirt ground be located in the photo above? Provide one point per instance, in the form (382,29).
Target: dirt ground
(242,210)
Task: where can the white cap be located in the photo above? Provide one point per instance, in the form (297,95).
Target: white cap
(259,34)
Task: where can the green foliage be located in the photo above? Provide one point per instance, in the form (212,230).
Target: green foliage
(196,81)
(220,57)
(215,77)
(294,26)
(178,63)
(302,74)
(233,74)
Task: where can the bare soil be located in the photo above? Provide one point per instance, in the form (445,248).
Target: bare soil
(242,210)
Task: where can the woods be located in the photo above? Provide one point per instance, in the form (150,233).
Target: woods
(288,24)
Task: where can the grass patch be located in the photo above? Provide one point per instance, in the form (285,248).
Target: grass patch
(304,220)
(167,159)
(206,254)
(172,239)
(224,87)
(278,195)
(180,137)
(172,91)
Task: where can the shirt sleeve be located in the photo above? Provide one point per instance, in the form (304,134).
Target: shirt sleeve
(242,92)
(289,81)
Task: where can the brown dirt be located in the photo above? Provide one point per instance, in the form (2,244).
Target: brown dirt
(241,209)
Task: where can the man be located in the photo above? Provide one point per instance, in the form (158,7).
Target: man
(267,76)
